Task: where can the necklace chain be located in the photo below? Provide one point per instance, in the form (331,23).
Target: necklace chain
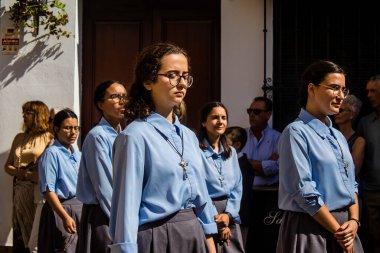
(345,163)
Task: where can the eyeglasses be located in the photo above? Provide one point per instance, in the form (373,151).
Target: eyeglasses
(343,110)
(175,78)
(255,111)
(71,128)
(28,112)
(336,89)
(116,98)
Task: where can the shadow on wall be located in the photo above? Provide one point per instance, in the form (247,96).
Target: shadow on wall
(6,202)
(17,66)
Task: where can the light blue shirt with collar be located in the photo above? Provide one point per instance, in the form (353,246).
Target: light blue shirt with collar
(58,170)
(95,171)
(312,167)
(149,183)
(261,150)
(223,178)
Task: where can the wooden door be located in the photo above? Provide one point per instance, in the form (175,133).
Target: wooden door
(115,32)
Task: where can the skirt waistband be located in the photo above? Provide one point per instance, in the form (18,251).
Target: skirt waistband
(182,215)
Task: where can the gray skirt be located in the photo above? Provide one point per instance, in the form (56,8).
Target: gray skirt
(94,233)
(300,233)
(52,234)
(180,232)
(235,244)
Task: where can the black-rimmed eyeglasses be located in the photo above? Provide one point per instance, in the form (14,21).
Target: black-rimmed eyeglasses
(175,78)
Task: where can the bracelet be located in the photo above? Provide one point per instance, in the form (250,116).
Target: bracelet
(356,220)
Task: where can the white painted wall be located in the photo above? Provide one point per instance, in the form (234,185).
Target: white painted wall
(50,70)
(242,55)
(44,69)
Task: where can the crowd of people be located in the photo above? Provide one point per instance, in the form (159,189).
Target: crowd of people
(157,186)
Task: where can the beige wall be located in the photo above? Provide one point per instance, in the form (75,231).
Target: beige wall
(242,58)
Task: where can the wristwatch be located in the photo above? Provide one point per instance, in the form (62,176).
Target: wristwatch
(356,220)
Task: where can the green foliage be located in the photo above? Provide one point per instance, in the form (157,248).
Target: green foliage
(31,14)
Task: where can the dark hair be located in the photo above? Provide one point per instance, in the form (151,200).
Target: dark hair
(62,115)
(315,73)
(100,91)
(140,104)
(41,117)
(202,134)
(374,78)
(267,101)
(238,134)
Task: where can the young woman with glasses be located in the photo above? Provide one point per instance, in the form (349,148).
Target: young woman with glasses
(94,187)
(160,201)
(58,168)
(22,162)
(317,190)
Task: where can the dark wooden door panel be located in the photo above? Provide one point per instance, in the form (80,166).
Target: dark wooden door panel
(115,32)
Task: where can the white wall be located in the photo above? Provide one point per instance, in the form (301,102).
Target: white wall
(44,69)
(242,55)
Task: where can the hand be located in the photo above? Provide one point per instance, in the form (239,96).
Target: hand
(69,225)
(20,174)
(225,234)
(345,235)
(274,157)
(222,220)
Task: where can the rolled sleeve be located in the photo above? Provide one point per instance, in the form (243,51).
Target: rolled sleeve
(311,203)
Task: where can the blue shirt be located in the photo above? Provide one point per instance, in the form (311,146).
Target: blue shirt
(58,170)
(223,178)
(312,171)
(149,184)
(95,171)
(261,150)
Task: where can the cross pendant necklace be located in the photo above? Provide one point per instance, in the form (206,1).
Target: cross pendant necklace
(345,163)
(219,169)
(182,163)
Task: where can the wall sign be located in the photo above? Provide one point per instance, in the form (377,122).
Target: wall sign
(10,40)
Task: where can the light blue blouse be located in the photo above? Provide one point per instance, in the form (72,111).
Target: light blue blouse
(95,171)
(261,150)
(312,167)
(58,170)
(223,178)
(149,184)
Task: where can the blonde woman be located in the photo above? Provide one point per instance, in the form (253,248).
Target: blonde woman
(26,148)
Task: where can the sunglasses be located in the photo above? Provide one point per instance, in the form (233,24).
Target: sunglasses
(255,111)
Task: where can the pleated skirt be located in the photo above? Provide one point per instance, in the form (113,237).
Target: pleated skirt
(94,235)
(300,233)
(178,233)
(235,244)
(52,234)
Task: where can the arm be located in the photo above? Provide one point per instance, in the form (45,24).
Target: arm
(68,222)
(9,167)
(234,198)
(358,154)
(99,164)
(128,165)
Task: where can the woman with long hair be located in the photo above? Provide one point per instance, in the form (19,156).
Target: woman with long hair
(159,190)
(22,163)
(223,176)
